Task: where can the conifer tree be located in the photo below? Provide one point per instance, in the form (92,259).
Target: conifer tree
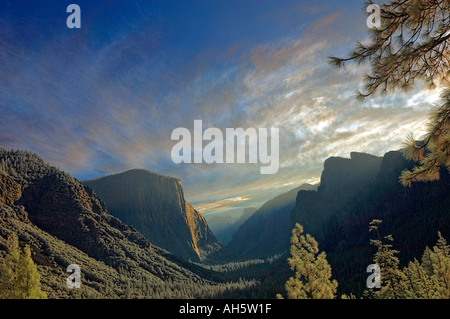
(427,263)
(412,44)
(431,278)
(19,277)
(393,280)
(312,278)
(419,283)
(428,279)
(8,270)
(433,153)
(440,261)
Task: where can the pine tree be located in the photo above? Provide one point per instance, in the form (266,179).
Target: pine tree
(419,283)
(431,278)
(19,277)
(428,279)
(433,153)
(8,270)
(411,44)
(393,280)
(312,278)
(440,261)
(427,263)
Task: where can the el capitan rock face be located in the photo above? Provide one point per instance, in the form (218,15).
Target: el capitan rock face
(155,205)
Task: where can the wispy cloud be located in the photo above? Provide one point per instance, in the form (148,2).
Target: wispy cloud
(221,205)
(107,99)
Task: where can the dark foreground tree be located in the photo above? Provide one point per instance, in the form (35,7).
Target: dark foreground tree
(412,43)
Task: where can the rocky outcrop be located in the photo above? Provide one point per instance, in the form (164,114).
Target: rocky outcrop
(155,205)
(341,175)
(341,180)
(10,190)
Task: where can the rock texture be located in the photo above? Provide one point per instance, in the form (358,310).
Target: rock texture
(155,205)
(10,190)
(66,223)
(343,174)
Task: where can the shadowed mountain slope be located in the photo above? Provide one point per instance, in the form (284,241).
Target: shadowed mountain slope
(225,224)
(267,231)
(339,213)
(65,223)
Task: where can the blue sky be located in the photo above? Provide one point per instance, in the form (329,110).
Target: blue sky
(105,98)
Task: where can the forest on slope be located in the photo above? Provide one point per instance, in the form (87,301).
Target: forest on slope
(352,193)
(65,223)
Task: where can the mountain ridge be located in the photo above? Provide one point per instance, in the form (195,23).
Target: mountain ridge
(267,231)
(340,222)
(225,224)
(65,223)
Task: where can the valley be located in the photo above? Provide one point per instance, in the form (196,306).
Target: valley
(135,236)
(224,150)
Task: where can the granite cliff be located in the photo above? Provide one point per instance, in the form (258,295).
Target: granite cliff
(155,205)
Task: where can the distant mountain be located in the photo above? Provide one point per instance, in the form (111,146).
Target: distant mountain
(225,224)
(267,231)
(65,223)
(156,207)
(353,193)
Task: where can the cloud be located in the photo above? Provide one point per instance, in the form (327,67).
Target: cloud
(221,205)
(98,108)
(290,85)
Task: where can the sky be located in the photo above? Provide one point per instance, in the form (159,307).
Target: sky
(105,98)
